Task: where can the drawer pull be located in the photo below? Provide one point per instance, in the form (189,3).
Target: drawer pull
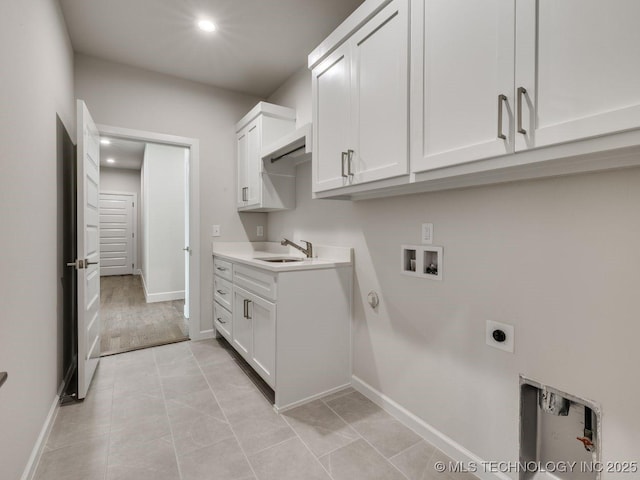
(221,292)
(220,320)
(222,269)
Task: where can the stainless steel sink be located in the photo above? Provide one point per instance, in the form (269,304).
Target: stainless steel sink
(281,260)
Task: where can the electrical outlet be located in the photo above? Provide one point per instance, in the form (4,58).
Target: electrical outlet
(500,335)
(215,231)
(427,233)
(260,231)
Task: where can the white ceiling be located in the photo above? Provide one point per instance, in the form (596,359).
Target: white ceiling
(257,46)
(127,154)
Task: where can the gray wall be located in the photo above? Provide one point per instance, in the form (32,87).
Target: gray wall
(557,258)
(37,83)
(128,97)
(125,180)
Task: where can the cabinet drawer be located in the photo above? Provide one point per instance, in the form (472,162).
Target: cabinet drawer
(260,282)
(222,268)
(223,321)
(222,292)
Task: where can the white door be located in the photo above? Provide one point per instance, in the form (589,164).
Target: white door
(116,234)
(463,53)
(577,60)
(243,168)
(380,89)
(263,355)
(331,111)
(254,163)
(88,241)
(242,328)
(187,238)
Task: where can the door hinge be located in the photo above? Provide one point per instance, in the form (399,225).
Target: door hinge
(132,204)
(133,235)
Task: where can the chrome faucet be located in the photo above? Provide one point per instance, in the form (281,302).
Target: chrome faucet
(307,251)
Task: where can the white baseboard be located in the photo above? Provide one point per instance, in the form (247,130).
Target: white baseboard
(451,448)
(162,296)
(38,448)
(293,405)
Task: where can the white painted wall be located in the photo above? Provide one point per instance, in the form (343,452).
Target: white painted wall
(125,180)
(163,213)
(138,99)
(37,83)
(557,258)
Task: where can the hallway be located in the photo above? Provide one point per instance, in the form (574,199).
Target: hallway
(130,323)
(187,411)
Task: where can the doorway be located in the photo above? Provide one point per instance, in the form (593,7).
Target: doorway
(147,240)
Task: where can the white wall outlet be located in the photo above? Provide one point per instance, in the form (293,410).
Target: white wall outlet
(500,336)
(427,233)
(215,232)
(260,231)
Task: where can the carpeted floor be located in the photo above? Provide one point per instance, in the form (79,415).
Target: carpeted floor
(129,323)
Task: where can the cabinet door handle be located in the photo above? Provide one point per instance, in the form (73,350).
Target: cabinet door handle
(521,92)
(350,163)
(222,269)
(220,320)
(344,159)
(248,315)
(501,99)
(245,312)
(245,193)
(221,292)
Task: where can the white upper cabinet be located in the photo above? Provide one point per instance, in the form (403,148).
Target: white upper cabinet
(578,61)
(462,81)
(263,188)
(331,102)
(360,101)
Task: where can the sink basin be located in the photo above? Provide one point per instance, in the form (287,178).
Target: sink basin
(281,260)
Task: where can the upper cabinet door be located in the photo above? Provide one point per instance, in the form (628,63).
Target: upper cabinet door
(331,110)
(462,81)
(243,180)
(254,163)
(380,89)
(577,61)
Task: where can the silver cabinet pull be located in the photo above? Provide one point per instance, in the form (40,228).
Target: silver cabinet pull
(521,91)
(220,320)
(245,193)
(222,269)
(221,292)
(248,315)
(245,312)
(501,100)
(350,163)
(344,159)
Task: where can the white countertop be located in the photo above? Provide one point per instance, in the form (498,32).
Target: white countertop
(253,253)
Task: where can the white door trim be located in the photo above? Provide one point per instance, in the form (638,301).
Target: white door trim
(134,227)
(193,144)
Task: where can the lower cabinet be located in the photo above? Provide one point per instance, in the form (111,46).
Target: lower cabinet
(292,327)
(254,332)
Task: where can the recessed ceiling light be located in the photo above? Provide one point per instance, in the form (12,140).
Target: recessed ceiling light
(105,141)
(206,25)
(110,160)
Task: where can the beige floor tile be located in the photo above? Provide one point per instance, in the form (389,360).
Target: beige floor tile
(359,461)
(86,461)
(78,430)
(194,405)
(137,406)
(199,432)
(287,461)
(224,460)
(414,462)
(155,460)
(177,386)
(320,428)
(241,403)
(257,434)
(379,428)
(138,431)
(208,351)
(339,394)
(431,473)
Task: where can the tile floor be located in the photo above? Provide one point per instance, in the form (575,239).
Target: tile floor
(186,411)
